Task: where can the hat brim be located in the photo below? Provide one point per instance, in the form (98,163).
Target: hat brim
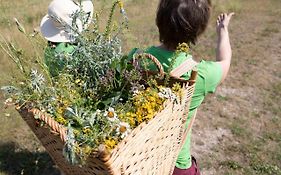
(52,33)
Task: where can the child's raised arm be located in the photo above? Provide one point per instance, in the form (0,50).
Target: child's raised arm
(223,52)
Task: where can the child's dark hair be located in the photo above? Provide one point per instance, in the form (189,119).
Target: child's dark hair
(181,21)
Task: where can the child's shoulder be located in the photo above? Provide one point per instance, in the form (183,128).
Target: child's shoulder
(64,47)
(132,52)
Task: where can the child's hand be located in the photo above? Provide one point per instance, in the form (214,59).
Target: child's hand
(223,21)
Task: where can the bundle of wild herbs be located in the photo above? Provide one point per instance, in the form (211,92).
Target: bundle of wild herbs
(99,97)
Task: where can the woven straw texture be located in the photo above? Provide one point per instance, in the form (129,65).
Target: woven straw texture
(151,148)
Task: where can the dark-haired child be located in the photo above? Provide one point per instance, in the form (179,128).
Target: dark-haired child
(182,21)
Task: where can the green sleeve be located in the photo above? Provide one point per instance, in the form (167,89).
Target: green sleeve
(211,72)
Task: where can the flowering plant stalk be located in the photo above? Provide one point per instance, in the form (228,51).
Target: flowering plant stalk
(98,95)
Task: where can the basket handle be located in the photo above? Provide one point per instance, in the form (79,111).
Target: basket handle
(187,65)
(136,57)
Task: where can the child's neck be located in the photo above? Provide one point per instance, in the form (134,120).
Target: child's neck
(164,47)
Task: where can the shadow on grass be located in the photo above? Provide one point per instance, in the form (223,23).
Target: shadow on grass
(17,161)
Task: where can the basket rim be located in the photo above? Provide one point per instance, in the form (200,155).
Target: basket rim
(56,127)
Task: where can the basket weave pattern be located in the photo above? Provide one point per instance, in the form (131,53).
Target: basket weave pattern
(150,149)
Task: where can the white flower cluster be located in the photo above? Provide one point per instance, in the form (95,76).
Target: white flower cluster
(167,93)
(137,89)
(123,129)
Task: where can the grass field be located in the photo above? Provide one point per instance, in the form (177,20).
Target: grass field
(238,128)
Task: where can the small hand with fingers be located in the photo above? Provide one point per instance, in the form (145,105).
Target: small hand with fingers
(223,21)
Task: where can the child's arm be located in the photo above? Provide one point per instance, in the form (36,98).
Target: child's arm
(223,52)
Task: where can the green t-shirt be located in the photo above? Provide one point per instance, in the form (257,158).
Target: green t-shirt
(55,57)
(208,77)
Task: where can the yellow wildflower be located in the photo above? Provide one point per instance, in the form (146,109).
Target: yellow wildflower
(183,47)
(77,81)
(86,130)
(149,116)
(120,3)
(176,87)
(60,110)
(152,98)
(110,143)
(76,132)
(61,120)
(87,149)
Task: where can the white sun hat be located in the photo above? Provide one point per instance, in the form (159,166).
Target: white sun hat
(59,25)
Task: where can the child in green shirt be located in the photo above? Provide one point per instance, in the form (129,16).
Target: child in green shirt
(59,29)
(182,21)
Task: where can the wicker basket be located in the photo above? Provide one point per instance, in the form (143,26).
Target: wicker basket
(151,148)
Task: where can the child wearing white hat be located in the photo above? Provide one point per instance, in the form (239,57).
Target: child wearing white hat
(60,29)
